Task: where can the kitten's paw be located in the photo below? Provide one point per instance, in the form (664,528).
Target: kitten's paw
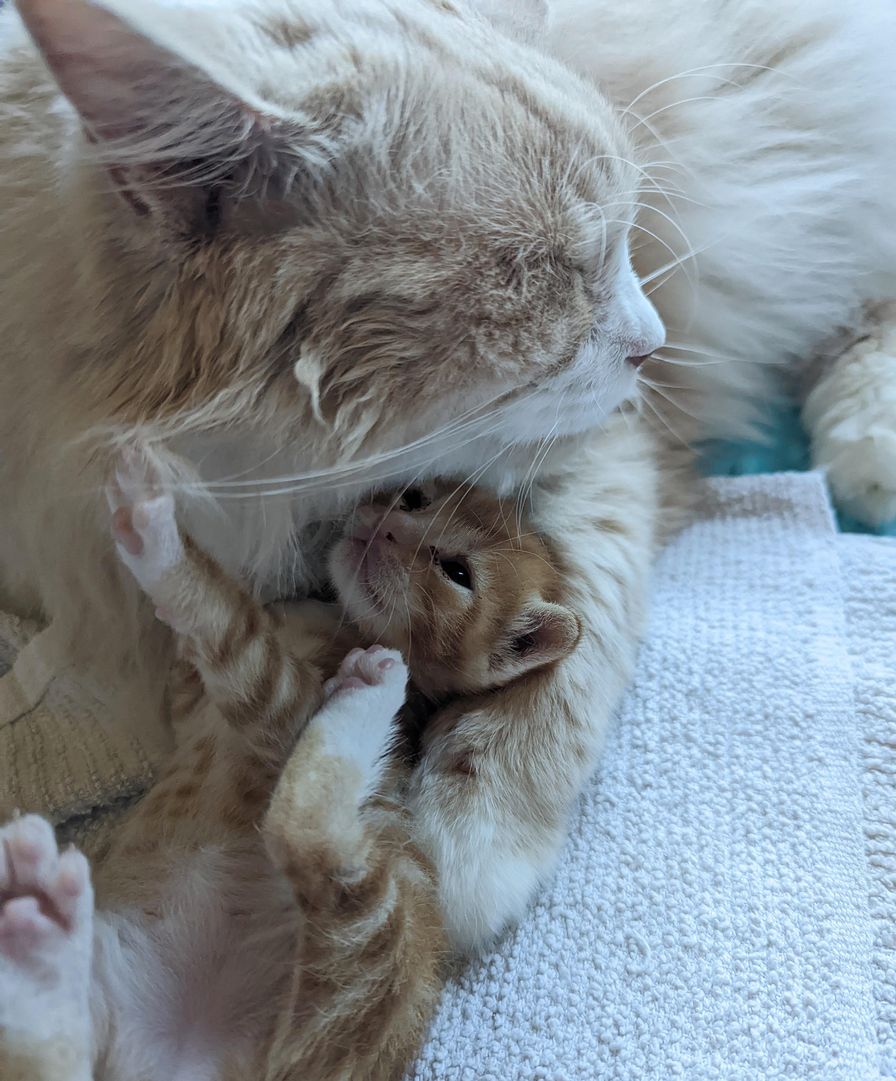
(372,667)
(357,720)
(46,934)
(143,521)
(851,417)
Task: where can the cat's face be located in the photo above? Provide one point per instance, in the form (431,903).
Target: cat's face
(461,588)
(376,217)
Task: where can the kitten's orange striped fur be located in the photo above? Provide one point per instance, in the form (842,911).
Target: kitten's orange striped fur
(266,913)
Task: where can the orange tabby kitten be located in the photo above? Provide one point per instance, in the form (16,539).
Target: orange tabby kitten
(265,912)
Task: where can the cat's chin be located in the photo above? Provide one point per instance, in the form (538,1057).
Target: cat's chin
(550,419)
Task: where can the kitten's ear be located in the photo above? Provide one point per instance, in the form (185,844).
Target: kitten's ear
(546,633)
(156,119)
(523,20)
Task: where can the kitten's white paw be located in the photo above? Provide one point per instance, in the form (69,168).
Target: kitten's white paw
(851,417)
(143,521)
(357,720)
(46,937)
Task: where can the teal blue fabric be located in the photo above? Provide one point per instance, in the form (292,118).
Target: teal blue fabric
(784,446)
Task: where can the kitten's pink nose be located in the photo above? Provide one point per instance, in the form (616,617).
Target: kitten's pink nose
(364,524)
(371,525)
(397,528)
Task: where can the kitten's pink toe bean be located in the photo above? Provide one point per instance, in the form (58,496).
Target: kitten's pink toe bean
(123,530)
(372,667)
(31,850)
(352,683)
(23,927)
(71,886)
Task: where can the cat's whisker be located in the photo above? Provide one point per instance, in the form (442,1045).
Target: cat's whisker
(694,73)
(467,484)
(648,232)
(525,493)
(662,417)
(670,268)
(645,401)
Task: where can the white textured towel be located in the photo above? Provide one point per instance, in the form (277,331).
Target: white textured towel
(725,909)
(710,916)
(870,566)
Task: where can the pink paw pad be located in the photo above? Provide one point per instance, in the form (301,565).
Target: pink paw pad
(363,668)
(44,896)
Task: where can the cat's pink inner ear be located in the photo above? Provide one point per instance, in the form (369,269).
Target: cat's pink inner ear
(142,104)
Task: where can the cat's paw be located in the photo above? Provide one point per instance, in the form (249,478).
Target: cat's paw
(362,699)
(851,417)
(144,525)
(46,935)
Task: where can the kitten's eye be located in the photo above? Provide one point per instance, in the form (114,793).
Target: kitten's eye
(458,571)
(413,499)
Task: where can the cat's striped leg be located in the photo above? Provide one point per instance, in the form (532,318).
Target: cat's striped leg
(46,943)
(263,690)
(368,973)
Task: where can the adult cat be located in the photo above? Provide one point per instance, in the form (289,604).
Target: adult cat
(303,247)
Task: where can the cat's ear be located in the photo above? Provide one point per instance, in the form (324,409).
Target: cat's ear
(158,121)
(546,633)
(523,20)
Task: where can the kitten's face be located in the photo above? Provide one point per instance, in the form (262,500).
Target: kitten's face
(409,215)
(466,595)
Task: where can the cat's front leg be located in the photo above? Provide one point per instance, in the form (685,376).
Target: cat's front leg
(850,414)
(46,943)
(491,797)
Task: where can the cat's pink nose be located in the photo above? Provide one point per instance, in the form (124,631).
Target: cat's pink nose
(636,362)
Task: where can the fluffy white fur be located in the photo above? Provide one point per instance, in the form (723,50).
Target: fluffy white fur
(769,130)
(764,185)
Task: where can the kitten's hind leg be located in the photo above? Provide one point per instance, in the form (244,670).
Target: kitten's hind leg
(46,942)
(850,415)
(334,767)
(369,969)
